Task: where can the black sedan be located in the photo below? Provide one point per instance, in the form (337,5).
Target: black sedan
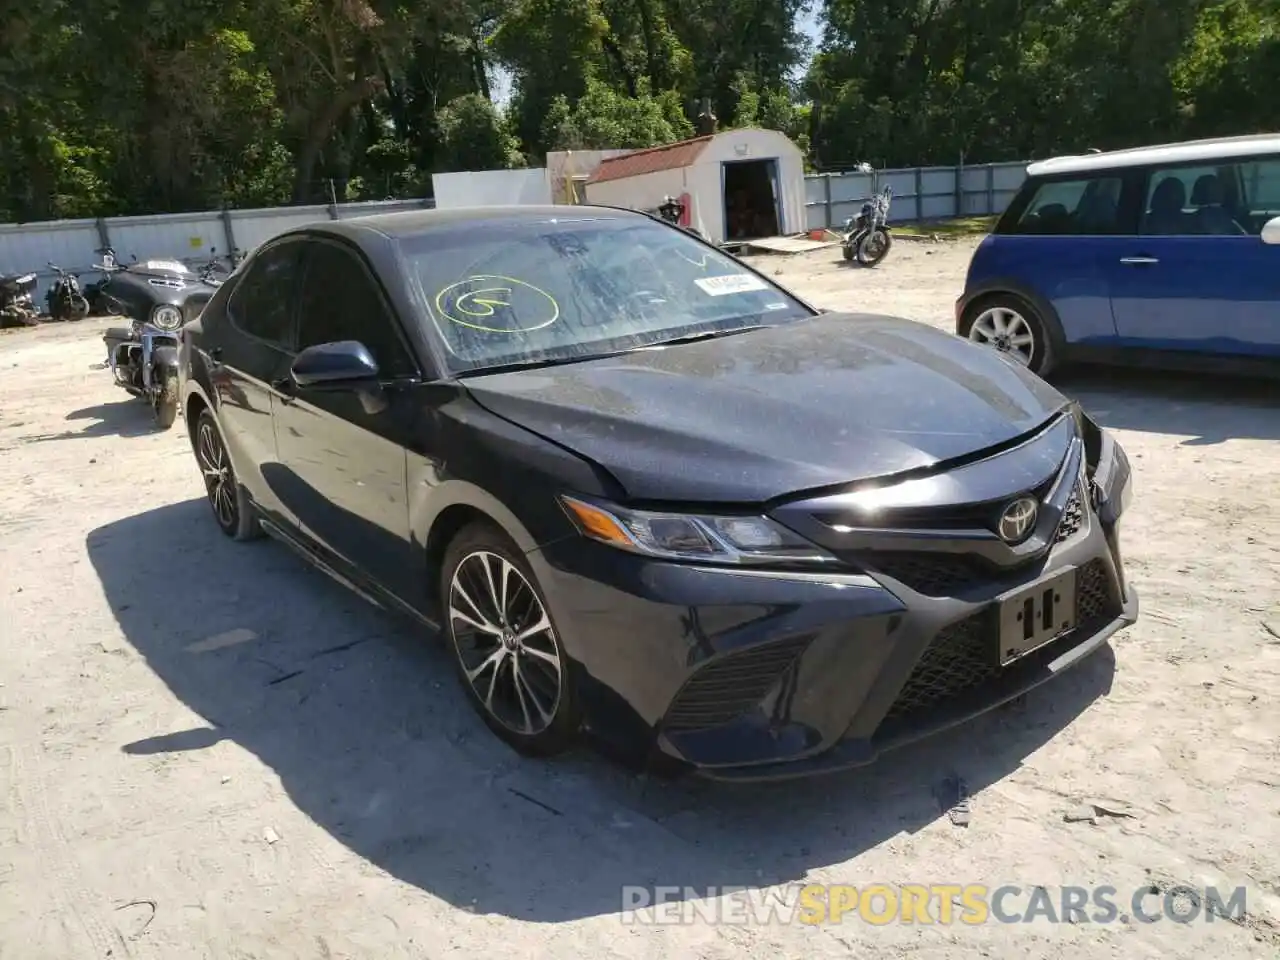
(646,492)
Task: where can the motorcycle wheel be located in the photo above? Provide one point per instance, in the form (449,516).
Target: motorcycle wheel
(166,403)
(78,308)
(874,247)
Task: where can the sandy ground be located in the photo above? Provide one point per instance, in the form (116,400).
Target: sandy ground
(209,750)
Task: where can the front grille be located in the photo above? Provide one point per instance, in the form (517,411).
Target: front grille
(961,657)
(1096,598)
(1072,517)
(932,574)
(942,575)
(728,687)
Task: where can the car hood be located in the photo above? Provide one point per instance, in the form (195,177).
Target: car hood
(758,415)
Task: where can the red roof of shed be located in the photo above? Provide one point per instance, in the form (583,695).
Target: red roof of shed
(670,156)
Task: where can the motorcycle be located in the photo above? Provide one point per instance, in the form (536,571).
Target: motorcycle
(17,305)
(64,299)
(143,359)
(158,297)
(164,293)
(866,236)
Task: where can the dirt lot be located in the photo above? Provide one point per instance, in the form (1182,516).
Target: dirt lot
(210,750)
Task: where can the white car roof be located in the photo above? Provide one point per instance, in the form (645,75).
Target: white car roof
(1222,148)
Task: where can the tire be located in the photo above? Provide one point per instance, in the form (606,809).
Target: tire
(79,308)
(874,247)
(518,684)
(239,522)
(988,316)
(166,405)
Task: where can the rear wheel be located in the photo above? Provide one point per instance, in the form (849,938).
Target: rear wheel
(505,646)
(231,506)
(1013,327)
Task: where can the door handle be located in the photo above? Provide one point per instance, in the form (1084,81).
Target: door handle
(1139,261)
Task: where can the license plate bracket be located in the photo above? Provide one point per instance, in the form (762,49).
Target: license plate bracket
(1034,615)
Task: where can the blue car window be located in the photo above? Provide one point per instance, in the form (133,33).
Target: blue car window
(1088,206)
(1196,201)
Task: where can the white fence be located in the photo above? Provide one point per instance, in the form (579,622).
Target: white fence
(919,193)
(190,237)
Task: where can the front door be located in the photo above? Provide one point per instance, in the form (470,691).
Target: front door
(243,365)
(1198,277)
(342,452)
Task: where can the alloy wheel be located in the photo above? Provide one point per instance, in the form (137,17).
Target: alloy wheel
(1006,330)
(219,481)
(505,642)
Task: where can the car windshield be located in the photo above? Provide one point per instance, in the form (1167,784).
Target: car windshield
(545,291)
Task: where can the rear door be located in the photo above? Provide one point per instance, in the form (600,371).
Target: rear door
(1057,244)
(256,350)
(343,458)
(1197,277)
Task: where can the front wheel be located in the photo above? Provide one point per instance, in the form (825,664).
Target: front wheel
(166,402)
(231,506)
(79,308)
(1015,329)
(506,649)
(874,247)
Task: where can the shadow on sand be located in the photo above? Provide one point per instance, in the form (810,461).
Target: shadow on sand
(128,417)
(1206,409)
(359,715)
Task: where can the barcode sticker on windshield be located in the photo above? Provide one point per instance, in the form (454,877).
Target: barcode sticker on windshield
(733,283)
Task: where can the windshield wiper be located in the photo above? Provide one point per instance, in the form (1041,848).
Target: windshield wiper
(704,335)
(531,364)
(560,361)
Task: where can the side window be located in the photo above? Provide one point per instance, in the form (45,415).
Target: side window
(1195,201)
(1085,207)
(1260,185)
(262,303)
(340,301)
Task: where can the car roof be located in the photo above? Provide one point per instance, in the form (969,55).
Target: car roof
(1221,148)
(412,222)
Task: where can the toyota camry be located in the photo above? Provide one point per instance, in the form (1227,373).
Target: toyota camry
(645,492)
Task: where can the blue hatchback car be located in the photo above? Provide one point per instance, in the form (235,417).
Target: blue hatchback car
(1168,252)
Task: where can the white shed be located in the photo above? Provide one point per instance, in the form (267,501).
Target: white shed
(737,185)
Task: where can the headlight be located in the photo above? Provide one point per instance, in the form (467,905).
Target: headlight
(680,536)
(167,317)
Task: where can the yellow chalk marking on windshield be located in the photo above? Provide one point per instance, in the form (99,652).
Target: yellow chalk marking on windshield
(471,303)
(483,305)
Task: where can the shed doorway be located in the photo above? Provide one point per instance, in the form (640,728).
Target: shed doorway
(750,199)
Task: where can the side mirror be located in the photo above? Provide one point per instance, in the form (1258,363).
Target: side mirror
(342,363)
(1271,231)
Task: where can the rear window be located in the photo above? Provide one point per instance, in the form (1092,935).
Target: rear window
(1080,207)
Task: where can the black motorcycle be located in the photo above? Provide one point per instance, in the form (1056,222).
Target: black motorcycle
(17,301)
(64,299)
(164,293)
(866,236)
(144,361)
(158,297)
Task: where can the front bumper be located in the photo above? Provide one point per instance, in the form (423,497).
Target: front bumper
(752,675)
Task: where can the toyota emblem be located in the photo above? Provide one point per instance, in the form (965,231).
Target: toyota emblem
(1018,520)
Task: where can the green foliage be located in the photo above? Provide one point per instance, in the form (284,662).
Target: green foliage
(603,118)
(474,136)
